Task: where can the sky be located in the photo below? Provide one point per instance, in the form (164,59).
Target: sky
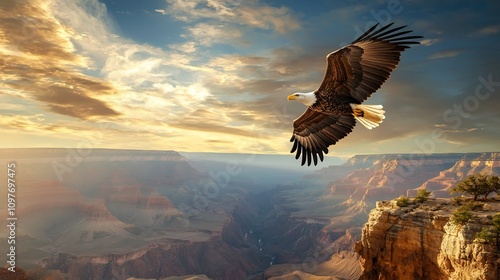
(213,76)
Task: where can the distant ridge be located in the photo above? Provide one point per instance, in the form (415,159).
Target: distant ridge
(55,152)
(370,158)
(47,155)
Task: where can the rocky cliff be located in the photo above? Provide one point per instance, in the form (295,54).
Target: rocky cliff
(420,242)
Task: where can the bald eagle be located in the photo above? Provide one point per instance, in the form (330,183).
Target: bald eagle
(353,73)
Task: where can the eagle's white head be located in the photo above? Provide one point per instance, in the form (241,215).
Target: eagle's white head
(307,98)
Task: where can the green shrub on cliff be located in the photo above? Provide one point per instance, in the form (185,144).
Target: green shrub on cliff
(474,206)
(491,233)
(461,215)
(485,235)
(422,195)
(402,201)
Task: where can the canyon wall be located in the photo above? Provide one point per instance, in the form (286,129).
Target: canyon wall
(420,242)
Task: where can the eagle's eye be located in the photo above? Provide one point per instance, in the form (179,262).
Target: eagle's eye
(296,94)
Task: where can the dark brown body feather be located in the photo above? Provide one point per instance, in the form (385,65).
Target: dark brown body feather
(353,73)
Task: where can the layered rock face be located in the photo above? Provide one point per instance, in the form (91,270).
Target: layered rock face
(419,242)
(223,255)
(378,177)
(468,164)
(215,258)
(389,175)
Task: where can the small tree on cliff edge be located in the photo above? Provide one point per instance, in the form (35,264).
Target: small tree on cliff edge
(477,185)
(494,185)
(422,195)
(488,234)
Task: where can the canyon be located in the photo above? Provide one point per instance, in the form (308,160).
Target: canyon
(126,214)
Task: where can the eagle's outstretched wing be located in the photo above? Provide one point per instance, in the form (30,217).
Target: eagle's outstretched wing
(360,68)
(314,132)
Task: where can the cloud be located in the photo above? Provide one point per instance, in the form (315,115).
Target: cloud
(208,34)
(188,10)
(29,123)
(161,11)
(65,100)
(247,13)
(266,17)
(39,59)
(149,81)
(131,64)
(235,62)
(445,54)
(490,30)
(348,12)
(218,141)
(42,124)
(486,31)
(429,42)
(189,47)
(213,128)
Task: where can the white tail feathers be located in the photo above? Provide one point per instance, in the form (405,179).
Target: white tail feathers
(368,115)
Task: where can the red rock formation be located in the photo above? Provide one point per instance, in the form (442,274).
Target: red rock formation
(440,185)
(96,209)
(388,177)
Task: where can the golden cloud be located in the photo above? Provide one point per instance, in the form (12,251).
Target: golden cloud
(38,58)
(251,13)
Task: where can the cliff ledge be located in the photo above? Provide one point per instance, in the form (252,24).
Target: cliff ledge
(419,242)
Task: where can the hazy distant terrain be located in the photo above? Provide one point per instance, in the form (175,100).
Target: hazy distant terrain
(270,169)
(113,202)
(114,214)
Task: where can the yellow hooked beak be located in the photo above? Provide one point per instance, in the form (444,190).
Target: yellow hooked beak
(292,97)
